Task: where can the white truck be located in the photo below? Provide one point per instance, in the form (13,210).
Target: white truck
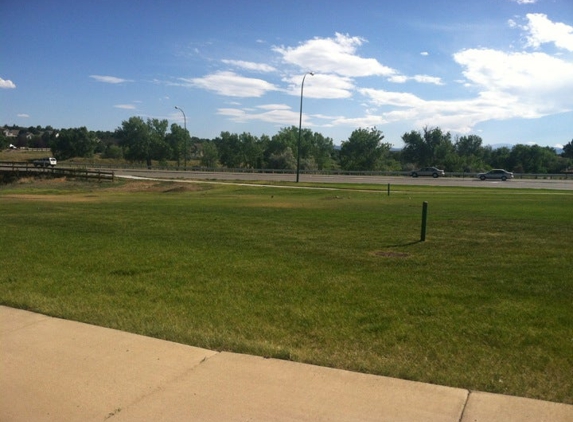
(45,162)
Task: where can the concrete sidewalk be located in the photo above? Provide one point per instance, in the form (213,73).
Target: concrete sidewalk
(58,370)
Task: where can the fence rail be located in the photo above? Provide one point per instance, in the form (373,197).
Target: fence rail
(28,169)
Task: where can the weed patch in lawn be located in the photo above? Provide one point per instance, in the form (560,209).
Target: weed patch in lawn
(389,254)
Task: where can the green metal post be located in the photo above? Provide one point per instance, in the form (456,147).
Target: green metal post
(424,219)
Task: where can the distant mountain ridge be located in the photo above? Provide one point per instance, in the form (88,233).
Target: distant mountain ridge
(502,145)
(558,151)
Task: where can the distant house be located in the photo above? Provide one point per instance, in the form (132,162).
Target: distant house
(11,133)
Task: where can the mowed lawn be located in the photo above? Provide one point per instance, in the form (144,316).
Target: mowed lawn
(330,277)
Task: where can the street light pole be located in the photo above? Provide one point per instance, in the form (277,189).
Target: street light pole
(186,137)
(300,126)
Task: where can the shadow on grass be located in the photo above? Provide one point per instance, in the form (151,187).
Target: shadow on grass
(403,245)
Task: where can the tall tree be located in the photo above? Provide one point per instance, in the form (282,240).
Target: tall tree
(209,155)
(415,151)
(499,157)
(286,137)
(177,140)
(230,151)
(468,146)
(285,140)
(433,147)
(568,150)
(364,150)
(283,160)
(74,142)
(144,141)
(470,153)
(252,150)
(3,141)
(533,159)
(134,138)
(159,148)
(322,151)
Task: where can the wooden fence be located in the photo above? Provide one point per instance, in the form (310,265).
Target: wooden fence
(22,169)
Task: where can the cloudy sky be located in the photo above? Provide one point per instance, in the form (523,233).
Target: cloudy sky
(501,69)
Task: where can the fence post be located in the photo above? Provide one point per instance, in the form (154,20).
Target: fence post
(424,218)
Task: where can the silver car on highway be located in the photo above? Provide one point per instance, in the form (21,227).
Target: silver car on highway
(428,171)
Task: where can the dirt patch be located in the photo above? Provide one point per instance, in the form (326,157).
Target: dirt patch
(134,187)
(153,186)
(86,191)
(52,198)
(123,185)
(42,181)
(390,254)
(182,188)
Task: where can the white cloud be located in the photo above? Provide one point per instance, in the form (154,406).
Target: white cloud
(458,115)
(525,1)
(369,120)
(325,86)
(258,67)
(24,115)
(284,115)
(397,99)
(275,107)
(232,85)
(543,31)
(542,81)
(424,53)
(510,85)
(333,55)
(424,79)
(125,106)
(109,79)
(398,79)
(6,84)
(281,114)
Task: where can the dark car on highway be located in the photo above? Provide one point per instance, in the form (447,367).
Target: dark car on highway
(498,174)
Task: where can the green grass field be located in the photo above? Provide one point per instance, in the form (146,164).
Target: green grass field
(336,278)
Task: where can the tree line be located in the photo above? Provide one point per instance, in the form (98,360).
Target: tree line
(153,140)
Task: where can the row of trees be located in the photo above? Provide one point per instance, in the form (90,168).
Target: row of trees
(467,154)
(137,140)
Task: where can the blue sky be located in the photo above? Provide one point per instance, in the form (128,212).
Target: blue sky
(500,69)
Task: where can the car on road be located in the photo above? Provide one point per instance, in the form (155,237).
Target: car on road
(428,171)
(497,174)
(45,162)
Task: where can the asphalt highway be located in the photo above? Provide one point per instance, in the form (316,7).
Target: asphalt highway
(517,183)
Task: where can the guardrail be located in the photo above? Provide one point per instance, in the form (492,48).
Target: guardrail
(24,168)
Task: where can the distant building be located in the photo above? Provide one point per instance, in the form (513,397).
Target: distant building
(11,133)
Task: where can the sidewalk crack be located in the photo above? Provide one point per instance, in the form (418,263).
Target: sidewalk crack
(158,388)
(465,405)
